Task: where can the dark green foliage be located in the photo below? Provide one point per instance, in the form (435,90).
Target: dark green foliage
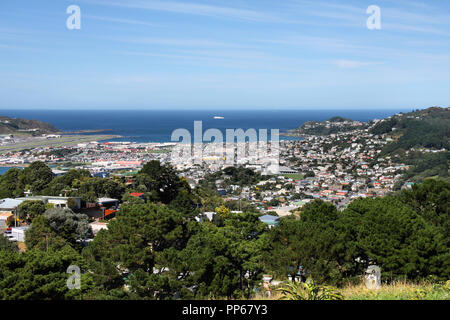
(384,127)
(407,235)
(68,183)
(7,245)
(79,183)
(241,205)
(227,261)
(433,133)
(431,200)
(35,177)
(28,210)
(39,178)
(95,188)
(40,275)
(9,184)
(310,242)
(427,165)
(232,176)
(185,202)
(143,237)
(158,251)
(398,239)
(161,181)
(242,176)
(430,129)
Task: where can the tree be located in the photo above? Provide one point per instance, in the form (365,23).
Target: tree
(161,181)
(222,211)
(431,199)
(40,275)
(312,243)
(36,176)
(129,199)
(94,188)
(185,202)
(283,259)
(9,184)
(57,228)
(68,183)
(227,261)
(7,245)
(28,210)
(398,239)
(141,249)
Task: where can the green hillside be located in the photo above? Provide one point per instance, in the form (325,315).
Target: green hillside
(421,139)
(11,126)
(429,128)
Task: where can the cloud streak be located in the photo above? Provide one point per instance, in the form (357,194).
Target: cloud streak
(352,64)
(119,20)
(191,8)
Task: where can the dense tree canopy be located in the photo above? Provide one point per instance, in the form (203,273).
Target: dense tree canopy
(7,245)
(28,210)
(35,177)
(141,244)
(227,261)
(311,244)
(398,239)
(57,228)
(9,184)
(161,181)
(41,275)
(406,235)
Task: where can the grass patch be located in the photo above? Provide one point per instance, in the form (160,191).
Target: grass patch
(159,151)
(400,290)
(295,176)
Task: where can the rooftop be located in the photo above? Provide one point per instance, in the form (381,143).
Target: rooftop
(9,203)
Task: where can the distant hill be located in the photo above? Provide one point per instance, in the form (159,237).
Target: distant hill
(421,139)
(339,119)
(330,126)
(34,127)
(428,128)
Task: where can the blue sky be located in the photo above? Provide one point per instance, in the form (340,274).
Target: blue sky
(220,54)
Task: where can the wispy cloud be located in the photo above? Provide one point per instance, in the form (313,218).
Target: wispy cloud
(415,28)
(418,17)
(181,42)
(191,8)
(119,20)
(352,64)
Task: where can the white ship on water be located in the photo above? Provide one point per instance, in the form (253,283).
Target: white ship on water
(217,117)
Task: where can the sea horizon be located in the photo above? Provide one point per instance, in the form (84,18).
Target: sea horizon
(136,125)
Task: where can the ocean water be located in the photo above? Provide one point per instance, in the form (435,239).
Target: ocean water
(4,169)
(158,125)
